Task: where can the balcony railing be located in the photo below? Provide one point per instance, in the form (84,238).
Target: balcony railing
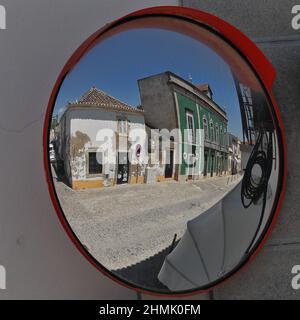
(215,146)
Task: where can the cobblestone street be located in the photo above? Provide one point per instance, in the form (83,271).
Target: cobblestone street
(124,225)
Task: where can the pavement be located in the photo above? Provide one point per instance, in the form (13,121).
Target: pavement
(124,225)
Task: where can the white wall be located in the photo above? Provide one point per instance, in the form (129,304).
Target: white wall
(91,121)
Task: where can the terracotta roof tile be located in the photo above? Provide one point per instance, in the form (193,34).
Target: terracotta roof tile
(203,87)
(96,97)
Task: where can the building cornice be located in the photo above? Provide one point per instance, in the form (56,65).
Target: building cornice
(95,106)
(173,78)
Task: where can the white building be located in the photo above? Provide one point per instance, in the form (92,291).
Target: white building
(96,142)
(235,155)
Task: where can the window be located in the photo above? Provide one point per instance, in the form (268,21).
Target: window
(205,127)
(225,139)
(95,162)
(212,131)
(122,126)
(217,134)
(221,137)
(190,127)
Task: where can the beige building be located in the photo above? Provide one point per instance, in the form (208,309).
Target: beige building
(235,155)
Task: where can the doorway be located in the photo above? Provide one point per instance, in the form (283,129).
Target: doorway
(169,166)
(212,165)
(123,168)
(205,165)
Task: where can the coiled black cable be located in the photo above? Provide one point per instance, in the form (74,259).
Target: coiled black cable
(253,187)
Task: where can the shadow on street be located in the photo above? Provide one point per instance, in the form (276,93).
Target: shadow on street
(145,272)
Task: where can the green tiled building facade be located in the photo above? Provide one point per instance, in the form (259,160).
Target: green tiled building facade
(212,154)
(170,102)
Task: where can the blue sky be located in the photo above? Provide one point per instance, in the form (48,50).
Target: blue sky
(115,65)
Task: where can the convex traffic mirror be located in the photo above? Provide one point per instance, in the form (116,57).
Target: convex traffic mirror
(165,152)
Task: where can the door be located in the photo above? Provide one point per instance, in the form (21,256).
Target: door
(217,165)
(169,166)
(205,165)
(123,168)
(212,165)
